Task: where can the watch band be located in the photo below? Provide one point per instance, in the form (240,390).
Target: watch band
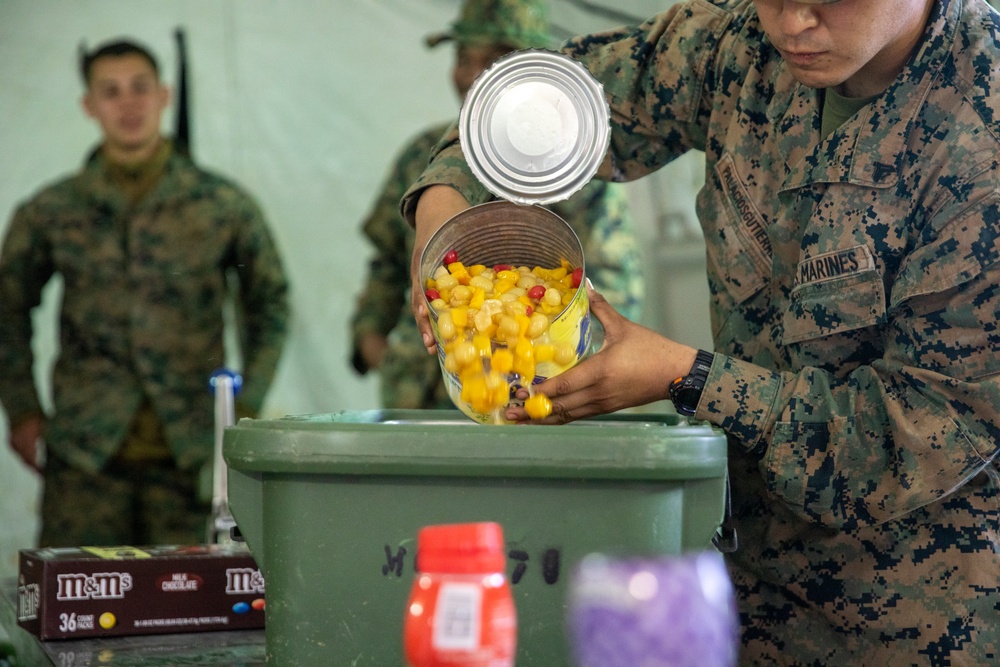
(685,392)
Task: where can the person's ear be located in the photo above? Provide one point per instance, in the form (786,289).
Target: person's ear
(87,102)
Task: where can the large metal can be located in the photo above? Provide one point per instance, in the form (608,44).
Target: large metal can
(501,232)
(534,128)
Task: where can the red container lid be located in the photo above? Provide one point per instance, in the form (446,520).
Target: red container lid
(461,548)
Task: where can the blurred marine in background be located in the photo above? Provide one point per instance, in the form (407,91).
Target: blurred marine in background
(149,247)
(385,334)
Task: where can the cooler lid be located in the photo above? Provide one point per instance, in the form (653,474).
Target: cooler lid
(535,127)
(446,443)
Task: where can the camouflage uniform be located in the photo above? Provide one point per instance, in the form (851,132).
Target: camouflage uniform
(599,214)
(141,316)
(854,308)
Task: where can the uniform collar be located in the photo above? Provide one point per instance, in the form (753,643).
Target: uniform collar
(101,188)
(869,149)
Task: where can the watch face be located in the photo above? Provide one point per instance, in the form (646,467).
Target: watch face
(686,400)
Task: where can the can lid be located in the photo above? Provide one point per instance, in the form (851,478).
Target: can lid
(535,127)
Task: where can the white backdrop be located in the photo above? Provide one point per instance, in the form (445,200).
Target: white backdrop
(304,103)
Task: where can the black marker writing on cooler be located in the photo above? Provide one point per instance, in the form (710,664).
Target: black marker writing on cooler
(549,560)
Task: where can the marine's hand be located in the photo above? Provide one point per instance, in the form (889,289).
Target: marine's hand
(634,366)
(25,439)
(437,204)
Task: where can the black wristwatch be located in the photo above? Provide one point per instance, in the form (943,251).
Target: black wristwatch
(685,392)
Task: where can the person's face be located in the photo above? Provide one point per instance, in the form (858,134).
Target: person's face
(126,99)
(857,46)
(470,61)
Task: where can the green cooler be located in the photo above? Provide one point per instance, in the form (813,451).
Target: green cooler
(330,506)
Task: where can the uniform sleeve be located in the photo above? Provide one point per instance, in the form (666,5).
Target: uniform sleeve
(659,80)
(447,167)
(25,268)
(382,299)
(263,298)
(911,427)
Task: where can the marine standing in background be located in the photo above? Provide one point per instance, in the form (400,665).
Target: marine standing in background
(149,247)
(384,333)
(851,215)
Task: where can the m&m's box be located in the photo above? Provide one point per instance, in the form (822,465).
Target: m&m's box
(78,592)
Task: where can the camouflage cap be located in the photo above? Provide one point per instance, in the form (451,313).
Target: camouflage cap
(520,24)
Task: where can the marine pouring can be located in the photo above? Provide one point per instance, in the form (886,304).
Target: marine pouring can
(534,129)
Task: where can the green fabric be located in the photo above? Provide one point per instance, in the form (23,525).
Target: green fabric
(837,109)
(136,180)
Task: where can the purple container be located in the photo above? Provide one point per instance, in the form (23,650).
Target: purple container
(670,611)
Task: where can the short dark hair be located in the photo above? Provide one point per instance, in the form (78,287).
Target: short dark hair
(117,48)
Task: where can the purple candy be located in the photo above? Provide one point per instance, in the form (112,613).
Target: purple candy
(670,611)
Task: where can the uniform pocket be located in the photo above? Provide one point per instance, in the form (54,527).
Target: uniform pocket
(834,292)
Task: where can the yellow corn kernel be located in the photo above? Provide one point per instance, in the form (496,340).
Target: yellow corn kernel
(502,360)
(544,352)
(538,324)
(538,406)
(525,370)
(510,276)
(460,296)
(500,395)
(565,354)
(482,344)
(482,282)
(478,296)
(523,324)
(508,329)
(502,286)
(552,297)
(446,282)
(450,363)
(459,273)
(465,353)
(446,325)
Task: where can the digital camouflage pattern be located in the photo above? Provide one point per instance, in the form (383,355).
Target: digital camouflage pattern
(855,300)
(141,312)
(133,503)
(410,378)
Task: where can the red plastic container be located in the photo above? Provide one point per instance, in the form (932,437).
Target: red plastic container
(461,611)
